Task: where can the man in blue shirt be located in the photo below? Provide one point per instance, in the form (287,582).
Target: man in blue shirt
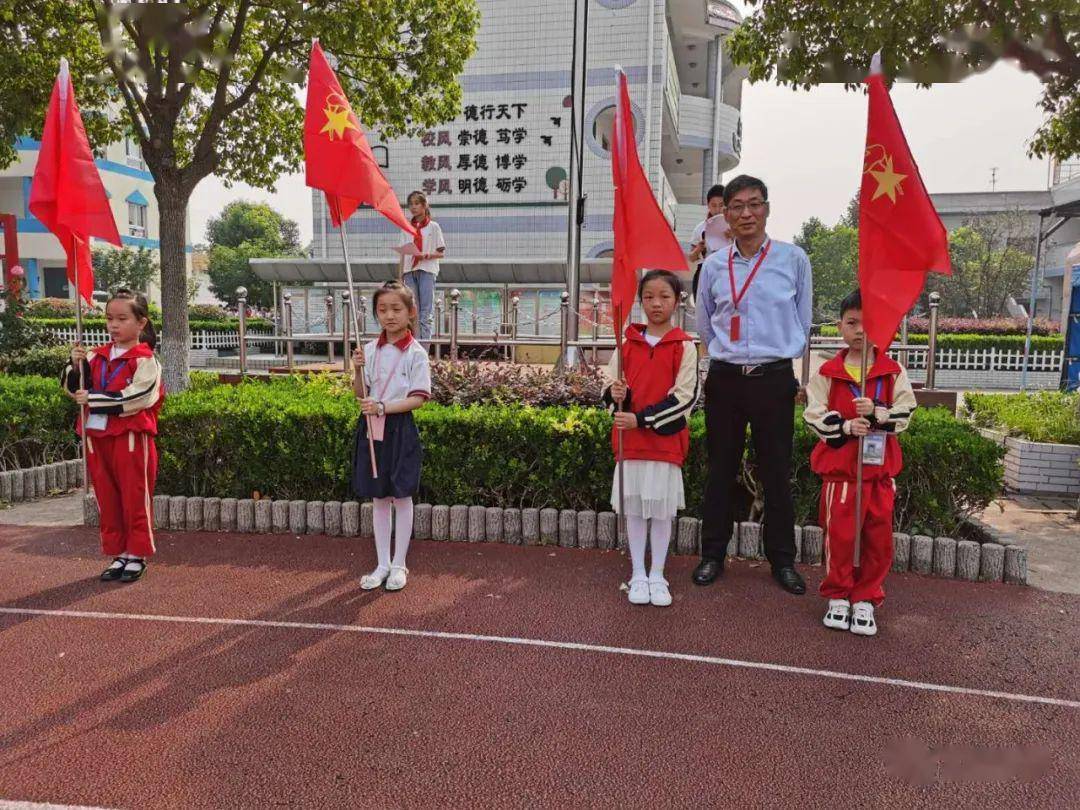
(753,317)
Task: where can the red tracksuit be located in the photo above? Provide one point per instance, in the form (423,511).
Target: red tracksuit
(121,455)
(831,397)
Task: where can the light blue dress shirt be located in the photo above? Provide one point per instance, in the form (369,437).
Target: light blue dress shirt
(775,312)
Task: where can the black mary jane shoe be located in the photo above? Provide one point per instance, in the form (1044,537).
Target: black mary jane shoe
(114,571)
(707,571)
(790,580)
(132,575)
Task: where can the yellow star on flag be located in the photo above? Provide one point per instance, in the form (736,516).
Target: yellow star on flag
(889,181)
(337,119)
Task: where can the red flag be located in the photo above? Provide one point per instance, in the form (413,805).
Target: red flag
(643,237)
(901,237)
(338,158)
(66,193)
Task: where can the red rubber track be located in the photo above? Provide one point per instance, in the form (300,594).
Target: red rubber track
(128,713)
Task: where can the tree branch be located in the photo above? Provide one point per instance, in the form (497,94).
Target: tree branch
(279,46)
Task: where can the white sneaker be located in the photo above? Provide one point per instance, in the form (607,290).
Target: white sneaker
(862,619)
(838,616)
(370,582)
(399,575)
(639,592)
(659,595)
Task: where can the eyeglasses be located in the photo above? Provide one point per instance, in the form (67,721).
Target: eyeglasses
(754,206)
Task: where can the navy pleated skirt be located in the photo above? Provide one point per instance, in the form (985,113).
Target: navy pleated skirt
(398,456)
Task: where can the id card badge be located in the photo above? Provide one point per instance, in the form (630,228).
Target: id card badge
(377,426)
(97,421)
(873,453)
(736,322)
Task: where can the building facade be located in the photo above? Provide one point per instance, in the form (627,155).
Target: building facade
(130,188)
(496,176)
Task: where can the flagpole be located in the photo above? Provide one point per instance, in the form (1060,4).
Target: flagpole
(621,526)
(355,327)
(859,469)
(82,376)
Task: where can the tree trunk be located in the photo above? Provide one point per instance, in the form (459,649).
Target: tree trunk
(172,200)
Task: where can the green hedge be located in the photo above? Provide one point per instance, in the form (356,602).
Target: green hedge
(1047,416)
(219,325)
(41,361)
(293,438)
(36,422)
(1039,343)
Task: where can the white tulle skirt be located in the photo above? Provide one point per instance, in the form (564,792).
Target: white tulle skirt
(654,489)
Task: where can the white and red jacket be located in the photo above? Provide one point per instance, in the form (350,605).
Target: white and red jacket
(830,402)
(662,383)
(128,390)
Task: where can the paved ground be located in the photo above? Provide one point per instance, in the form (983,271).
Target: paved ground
(1048,527)
(253,672)
(59,510)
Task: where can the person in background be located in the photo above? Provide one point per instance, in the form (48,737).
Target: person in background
(423,269)
(705,244)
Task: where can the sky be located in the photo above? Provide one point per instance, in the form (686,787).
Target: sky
(808,145)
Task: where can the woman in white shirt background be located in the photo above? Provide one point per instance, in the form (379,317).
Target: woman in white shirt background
(422,270)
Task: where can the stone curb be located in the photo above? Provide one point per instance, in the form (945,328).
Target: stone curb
(567,528)
(31,483)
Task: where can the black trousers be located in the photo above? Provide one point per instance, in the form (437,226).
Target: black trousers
(767,404)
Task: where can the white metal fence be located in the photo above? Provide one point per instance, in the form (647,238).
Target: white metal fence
(199,340)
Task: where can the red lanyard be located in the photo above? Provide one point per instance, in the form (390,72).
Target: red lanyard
(737,298)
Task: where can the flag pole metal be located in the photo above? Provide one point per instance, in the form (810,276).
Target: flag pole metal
(82,373)
(859,469)
(621,524)
(356,331)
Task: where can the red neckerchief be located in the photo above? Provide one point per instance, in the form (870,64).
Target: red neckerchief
(418,240)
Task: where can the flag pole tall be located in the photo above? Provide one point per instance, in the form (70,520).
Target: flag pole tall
(82,378)
(859,468)
(621,527)
(355,329)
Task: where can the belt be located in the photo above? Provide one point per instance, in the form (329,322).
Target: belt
(757,370)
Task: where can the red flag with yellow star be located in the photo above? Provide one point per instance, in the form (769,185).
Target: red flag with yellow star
(337,156)
(901,237)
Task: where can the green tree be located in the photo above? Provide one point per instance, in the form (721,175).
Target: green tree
(211,88)
(927,42)
(990,263)
(134,269)
(247,230)
(834,255)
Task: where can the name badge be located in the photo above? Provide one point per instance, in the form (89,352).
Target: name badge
(377,425)
(873,453)
(97,421)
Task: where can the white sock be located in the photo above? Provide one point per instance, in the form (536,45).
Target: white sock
(381,510)
(659,539)
(403,514)
(637,533)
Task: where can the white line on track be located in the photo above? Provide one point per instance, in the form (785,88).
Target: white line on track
(10,805)
(556,645)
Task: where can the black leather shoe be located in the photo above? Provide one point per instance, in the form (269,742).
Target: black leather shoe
(790,580)
(707,571)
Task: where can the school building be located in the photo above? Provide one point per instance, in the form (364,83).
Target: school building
(130,188)
(496,176)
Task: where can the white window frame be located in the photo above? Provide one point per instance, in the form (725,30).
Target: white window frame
(133,153)
(136,220)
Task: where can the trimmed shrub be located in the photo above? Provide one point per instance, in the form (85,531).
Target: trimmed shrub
(36,422)
(42,361)
(980,326)
(1039,343)
(1046,416)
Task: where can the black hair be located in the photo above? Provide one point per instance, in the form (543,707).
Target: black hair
(140,308)
(666,275)
(741,183)
(399,289)
(853,300)
(715,191)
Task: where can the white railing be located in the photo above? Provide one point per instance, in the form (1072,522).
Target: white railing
(987,360)
(199,340)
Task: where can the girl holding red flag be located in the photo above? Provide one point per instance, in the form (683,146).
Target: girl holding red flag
(424,266)
(652,403)
(120,387)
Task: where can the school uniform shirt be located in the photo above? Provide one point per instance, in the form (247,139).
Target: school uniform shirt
(830,401)
(432,237)
(662,387)
(126,389)
(398,370)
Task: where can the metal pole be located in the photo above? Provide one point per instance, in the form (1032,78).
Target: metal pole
(287,318)
(1031,302)
(363,318)
(931,347)
(859,469)
(82,373)
(515,314)
(346,348)
(455,297)
(241,305)
(804,373)
(277,318)
(439,306)
(363,385)
(904,340)
(576,209)
(564,306)
(683,298)
(330,327)
(595,322)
